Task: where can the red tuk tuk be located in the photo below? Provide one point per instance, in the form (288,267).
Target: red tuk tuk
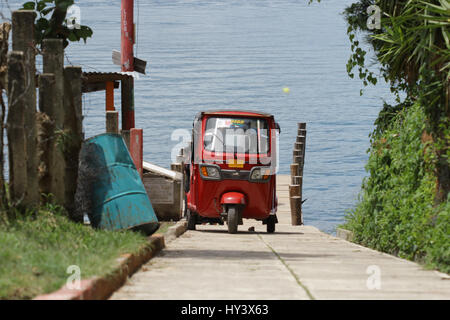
(231,174)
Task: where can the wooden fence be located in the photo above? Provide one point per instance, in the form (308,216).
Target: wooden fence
(43,144)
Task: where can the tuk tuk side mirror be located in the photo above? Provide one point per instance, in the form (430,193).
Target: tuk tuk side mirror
(277,127)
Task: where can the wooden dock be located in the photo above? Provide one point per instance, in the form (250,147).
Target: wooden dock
(296,262)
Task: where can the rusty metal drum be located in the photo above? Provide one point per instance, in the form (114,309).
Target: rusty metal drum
(110,189)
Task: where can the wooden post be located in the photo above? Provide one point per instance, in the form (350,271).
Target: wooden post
(181,160)
(297,180)
(295,189)
(23,40)
(4,36)
(17,147)
(299,160)
(112,122)
(5,27)
(178,167)
(126,137)
(294,171)
(110,96)
(296,210)
(46,132)
(127,89)
(53,62)
(137,148)
(73,125)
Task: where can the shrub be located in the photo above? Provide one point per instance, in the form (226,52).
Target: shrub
(396,212)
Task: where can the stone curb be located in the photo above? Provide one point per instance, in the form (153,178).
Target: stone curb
(175,231)
(101,288)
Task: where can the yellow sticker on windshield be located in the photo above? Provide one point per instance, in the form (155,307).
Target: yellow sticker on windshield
(235,163)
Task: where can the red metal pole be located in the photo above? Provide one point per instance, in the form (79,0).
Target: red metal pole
(127,59)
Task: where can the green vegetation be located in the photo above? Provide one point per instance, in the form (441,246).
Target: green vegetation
(51,21)
(404,204)
(38,249)
(164,226)
(396,212)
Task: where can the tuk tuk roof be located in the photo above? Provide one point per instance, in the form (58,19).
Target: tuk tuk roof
(233,113)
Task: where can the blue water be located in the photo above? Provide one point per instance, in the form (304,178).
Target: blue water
(240,54)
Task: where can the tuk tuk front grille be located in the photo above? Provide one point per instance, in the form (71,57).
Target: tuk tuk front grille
(236,174)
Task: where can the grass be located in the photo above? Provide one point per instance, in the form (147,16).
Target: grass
(36,252)
(164,226)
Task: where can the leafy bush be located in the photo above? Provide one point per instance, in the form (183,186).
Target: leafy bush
(397,213)
(51,21)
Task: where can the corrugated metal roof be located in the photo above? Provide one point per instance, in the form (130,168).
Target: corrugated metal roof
(92,77)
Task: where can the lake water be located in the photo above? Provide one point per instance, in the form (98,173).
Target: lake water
(240,54)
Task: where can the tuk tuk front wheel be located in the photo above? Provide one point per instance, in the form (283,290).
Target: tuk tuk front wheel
(271,224)
(191,220)
(232,219)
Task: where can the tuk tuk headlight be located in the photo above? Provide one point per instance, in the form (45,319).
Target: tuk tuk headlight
(260,174)
(210,172)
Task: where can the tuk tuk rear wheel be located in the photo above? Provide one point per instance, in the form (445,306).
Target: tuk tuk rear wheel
(232,219)
(191,220)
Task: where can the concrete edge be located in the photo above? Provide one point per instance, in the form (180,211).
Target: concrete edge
(344,234)
(101,288)
(175,231)
(348,236)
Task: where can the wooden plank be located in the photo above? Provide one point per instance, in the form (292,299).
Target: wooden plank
(162,171)
(116,58)
(140,65)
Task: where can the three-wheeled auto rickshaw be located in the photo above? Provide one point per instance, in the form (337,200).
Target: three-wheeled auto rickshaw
(231,173)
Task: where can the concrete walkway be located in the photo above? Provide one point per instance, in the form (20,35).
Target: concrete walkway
(293,263)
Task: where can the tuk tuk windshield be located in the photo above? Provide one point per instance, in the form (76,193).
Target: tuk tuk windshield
(237,135)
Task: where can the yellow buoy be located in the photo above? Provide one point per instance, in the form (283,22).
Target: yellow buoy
(286,90)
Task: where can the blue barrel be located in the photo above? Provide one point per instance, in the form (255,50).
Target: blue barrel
(112,187)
